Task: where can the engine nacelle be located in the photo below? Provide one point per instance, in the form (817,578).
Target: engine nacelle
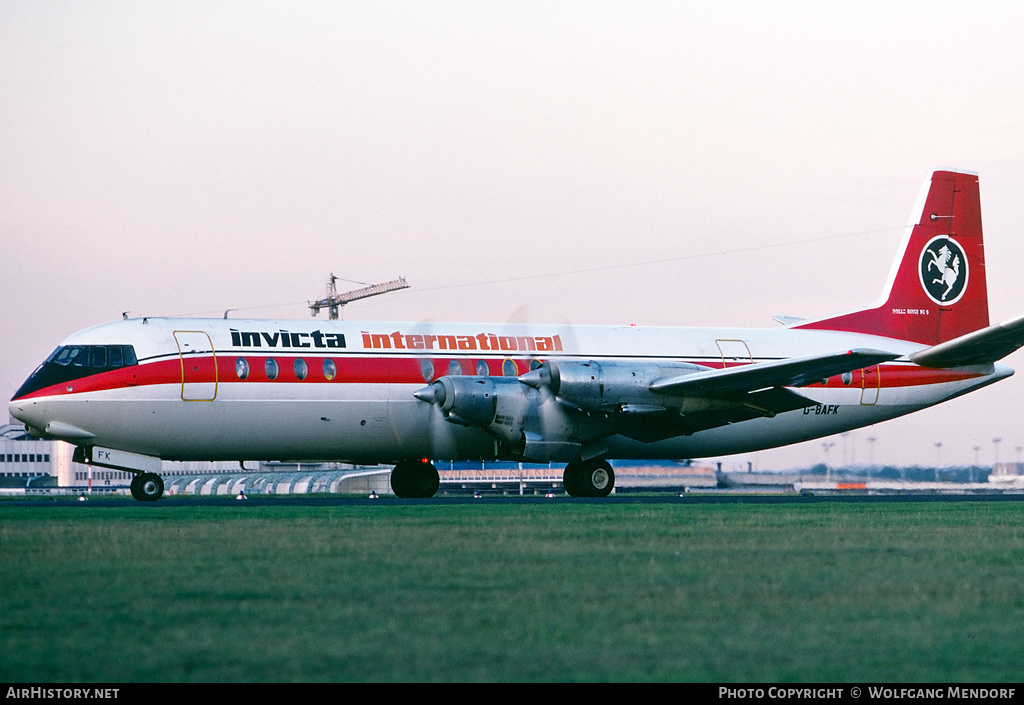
(608,386)
(530,423)
(559,410)
(499,404)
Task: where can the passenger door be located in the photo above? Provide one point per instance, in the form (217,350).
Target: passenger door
(199,378)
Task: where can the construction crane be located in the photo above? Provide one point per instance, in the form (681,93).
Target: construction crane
(334,301)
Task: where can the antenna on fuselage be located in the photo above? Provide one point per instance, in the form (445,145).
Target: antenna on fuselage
(334,301)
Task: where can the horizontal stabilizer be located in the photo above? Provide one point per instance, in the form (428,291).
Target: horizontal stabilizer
(791,372)
(981,346)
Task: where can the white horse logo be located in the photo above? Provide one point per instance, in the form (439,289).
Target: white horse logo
(948,274)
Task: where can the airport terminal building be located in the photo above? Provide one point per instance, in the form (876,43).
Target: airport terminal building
(24,459)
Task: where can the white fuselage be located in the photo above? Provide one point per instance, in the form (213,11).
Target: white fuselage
(204,389)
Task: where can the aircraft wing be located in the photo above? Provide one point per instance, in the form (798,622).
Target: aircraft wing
(982,346)
(735,394)
(667,424)
(752,379)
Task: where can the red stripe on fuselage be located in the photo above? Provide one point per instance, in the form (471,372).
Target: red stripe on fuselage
(387,370)
(202,369)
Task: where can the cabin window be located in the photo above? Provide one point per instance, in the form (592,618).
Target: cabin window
(242,368)
(301,369)
(330,369)
(482,369)
(509,369)
(271,368)
(454,368)
(427,370)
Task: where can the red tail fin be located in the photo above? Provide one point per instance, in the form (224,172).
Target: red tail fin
(936,290)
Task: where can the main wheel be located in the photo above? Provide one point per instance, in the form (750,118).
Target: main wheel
(147,487)
(413,479)
(571,479)
(589,478)
(598,478)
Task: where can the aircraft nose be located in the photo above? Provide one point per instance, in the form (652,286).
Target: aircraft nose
(15,409)
(28,413)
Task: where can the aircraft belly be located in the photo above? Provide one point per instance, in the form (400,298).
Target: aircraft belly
(833,411)
(231,427)
(290,430)
(758,434)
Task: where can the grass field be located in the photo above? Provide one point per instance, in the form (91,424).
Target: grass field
(558,591)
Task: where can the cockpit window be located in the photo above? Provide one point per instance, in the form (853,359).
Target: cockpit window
(71,362)
(95,356)
(81,357)
(61,356)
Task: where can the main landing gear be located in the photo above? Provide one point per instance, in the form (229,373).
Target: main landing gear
(147,487)
(418,479)
(415,479)
(589,478)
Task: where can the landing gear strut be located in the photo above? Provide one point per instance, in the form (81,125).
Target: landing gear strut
(147,487)
(415,479)
(588,478)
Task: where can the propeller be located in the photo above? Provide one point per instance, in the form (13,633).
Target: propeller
(513,406)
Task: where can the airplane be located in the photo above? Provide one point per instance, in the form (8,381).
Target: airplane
(133,392)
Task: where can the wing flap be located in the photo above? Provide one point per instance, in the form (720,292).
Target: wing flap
(982,346)
(790,372)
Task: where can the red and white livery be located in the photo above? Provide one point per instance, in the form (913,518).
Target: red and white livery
(135,391)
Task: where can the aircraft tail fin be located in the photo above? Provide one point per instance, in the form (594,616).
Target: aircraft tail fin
(937,289)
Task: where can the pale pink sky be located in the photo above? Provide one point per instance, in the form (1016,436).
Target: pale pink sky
(180,158)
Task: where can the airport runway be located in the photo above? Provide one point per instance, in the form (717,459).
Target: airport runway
(304,501)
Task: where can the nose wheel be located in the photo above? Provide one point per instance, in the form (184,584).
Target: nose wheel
(147,487)
(589,478)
